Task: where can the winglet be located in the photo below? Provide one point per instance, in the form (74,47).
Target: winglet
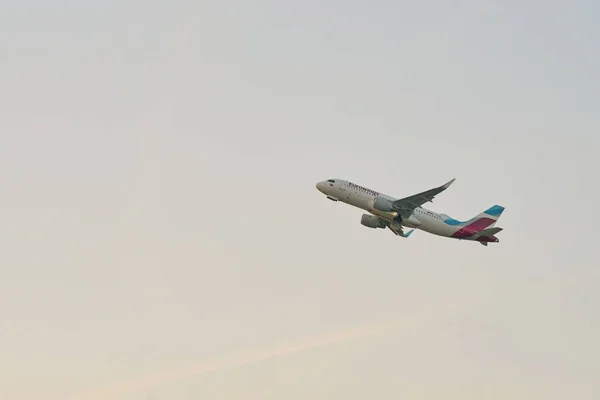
(407,234)
(447,185)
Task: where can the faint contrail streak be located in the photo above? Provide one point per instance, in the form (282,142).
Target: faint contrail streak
(161,378)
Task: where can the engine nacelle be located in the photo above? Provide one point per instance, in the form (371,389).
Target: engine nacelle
(371,221)
(383,205)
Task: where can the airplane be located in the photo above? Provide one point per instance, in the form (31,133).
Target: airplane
(396,214)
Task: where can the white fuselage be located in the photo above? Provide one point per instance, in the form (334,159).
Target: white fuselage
(363,198)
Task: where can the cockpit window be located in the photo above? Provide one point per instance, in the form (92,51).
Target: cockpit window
(331,180)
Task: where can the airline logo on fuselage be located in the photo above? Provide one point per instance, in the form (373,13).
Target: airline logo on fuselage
(363,189)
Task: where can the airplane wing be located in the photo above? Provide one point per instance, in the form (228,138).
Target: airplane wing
(417,200)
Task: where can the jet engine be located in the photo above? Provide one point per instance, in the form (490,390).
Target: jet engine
(383,205)
(371,221)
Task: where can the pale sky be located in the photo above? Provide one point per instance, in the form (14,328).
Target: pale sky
(162,236)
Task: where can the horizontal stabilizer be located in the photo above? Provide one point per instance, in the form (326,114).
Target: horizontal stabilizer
(487,232)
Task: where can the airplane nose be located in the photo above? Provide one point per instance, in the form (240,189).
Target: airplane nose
(321,187)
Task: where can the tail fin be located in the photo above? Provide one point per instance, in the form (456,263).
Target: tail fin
(485,220)
(493,213)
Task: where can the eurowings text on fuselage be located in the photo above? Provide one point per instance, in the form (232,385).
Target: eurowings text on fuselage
(388,212)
